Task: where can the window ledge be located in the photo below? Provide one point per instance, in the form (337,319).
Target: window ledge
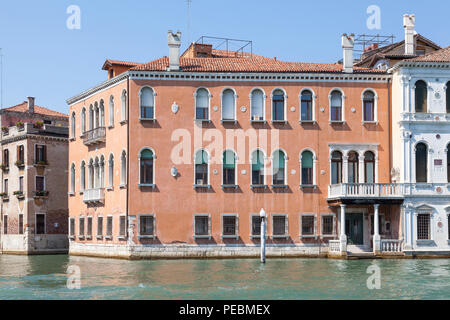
(71,194)
(308,121)
(108,237)
(337,122)
(283,236)
(228,121)
(279,121)
(81,237)
(258,121)
(230,186)
(308,237)
(121,238)
(370,122)
(123,186)
(99,237)
(280,186)
(146,237)
(109,188)
(202,120)
(88,237)
(81,192)
(323,236)
(72,139)
(147,119)
(71,237)
(306,186)
(203,237)
(424,242)
(147,185)
(198,186)
(111,126)
(123,122)
(5,199)
(230,237)
(258,237)
(254,186)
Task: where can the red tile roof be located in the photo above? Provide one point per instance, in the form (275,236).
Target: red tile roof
(247,63)
(442,55)
(120,63)
(23,107)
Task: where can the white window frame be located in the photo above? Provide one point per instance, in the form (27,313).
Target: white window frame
(265,166)
(123,169)
(286,158)
(111,108)
(286,225)
(208,236)
(235,96)
(89,237)
(236,216)
(334,234)
(141,236)
(424,211)
(152,185)
(314,168)
(342,108)
(100,236)
(140,104)
(81,236)
(124,107)
(73,124)
(375,106)
(209,105)
(264,96)
(235,168)
(313,107)
(72,231)
(308,236)
(285,106)
(83,122)
(124,236)
(111,173)
(208,185)
(109,236)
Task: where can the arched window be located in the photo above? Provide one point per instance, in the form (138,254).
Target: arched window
(147,100)
(278,105)
(369,167)
(228,105)
(229,168)
(72,125)
(111,111)
(447,95)
(72,178)
(83,176)
(307,159)
(91,175)
(369,106)
(257,168)
(5,162)
(96,116)
(102,114)
(111,171)
(123,167)
(307,105)
(336,106)
(257,105)
(123,99)
(201,168)
(279,168)
(202,104)
(91,117)
(336,167)
(96,173)
(102,172)
(353,167)
(83,120)
(146,166)
(421,93)
(421,163)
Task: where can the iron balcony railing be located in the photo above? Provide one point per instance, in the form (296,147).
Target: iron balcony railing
(97,135)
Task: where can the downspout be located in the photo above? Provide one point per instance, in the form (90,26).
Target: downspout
(128,155)
(390,129)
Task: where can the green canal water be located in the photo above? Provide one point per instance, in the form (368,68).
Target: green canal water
(45,277)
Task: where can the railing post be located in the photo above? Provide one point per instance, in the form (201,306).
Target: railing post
(376,231)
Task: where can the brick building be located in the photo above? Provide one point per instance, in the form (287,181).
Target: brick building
(34,157)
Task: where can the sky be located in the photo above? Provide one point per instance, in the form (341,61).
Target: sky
(44,58)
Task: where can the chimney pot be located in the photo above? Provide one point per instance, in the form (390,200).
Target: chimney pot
(409,21)
(174,42)
(30,104)
(348,43)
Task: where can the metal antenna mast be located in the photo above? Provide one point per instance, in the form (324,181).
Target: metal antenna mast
(1,79)
(189,2)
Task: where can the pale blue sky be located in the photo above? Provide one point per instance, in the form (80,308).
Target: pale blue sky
(43,58)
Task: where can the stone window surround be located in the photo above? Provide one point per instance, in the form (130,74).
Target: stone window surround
(258,236)
(334,234)
(208,236)
(153,236)
(286,225)
(314,236)
(236,215)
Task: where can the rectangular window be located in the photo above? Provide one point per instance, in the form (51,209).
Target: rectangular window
(89,227)
(40,223)
(5,186)
(229,225)
(256,226)
(122,226)
(308,225)
(423,226)
(109,226)
(21,184)
(146,225)
(20,155)
(201,226)
(20,223)
(41,154)
(279,225)
(72,227)
(5,224)
(6,158)
(81,227)
(100,226)
(40,183)
(327,225)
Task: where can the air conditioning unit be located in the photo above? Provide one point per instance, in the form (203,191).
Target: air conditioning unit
(200,182)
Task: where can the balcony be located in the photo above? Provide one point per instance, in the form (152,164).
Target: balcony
(366,193)
(95,136)
(94,195)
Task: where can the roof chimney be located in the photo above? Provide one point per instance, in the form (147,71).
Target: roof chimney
(348,43)
(409,21)
(30,104)
(174,41)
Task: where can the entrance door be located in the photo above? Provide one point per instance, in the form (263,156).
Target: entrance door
(354,228)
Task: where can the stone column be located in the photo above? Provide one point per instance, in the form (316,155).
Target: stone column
(376,230)
(343,236)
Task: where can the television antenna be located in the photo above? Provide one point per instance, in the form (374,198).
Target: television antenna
(1,79)
(189,3)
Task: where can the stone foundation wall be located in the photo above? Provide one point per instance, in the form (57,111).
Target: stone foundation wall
(36,244)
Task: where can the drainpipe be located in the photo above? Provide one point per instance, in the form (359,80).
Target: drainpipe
(390,129)
(128,155)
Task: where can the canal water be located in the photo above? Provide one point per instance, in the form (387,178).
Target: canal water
(45,277)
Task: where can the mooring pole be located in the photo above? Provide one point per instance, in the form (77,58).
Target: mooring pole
(262,214)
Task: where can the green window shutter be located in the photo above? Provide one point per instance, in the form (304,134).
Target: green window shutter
(228,160)
(279,160)
(201,157)
(258,162)
(307,159)
(146,154)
